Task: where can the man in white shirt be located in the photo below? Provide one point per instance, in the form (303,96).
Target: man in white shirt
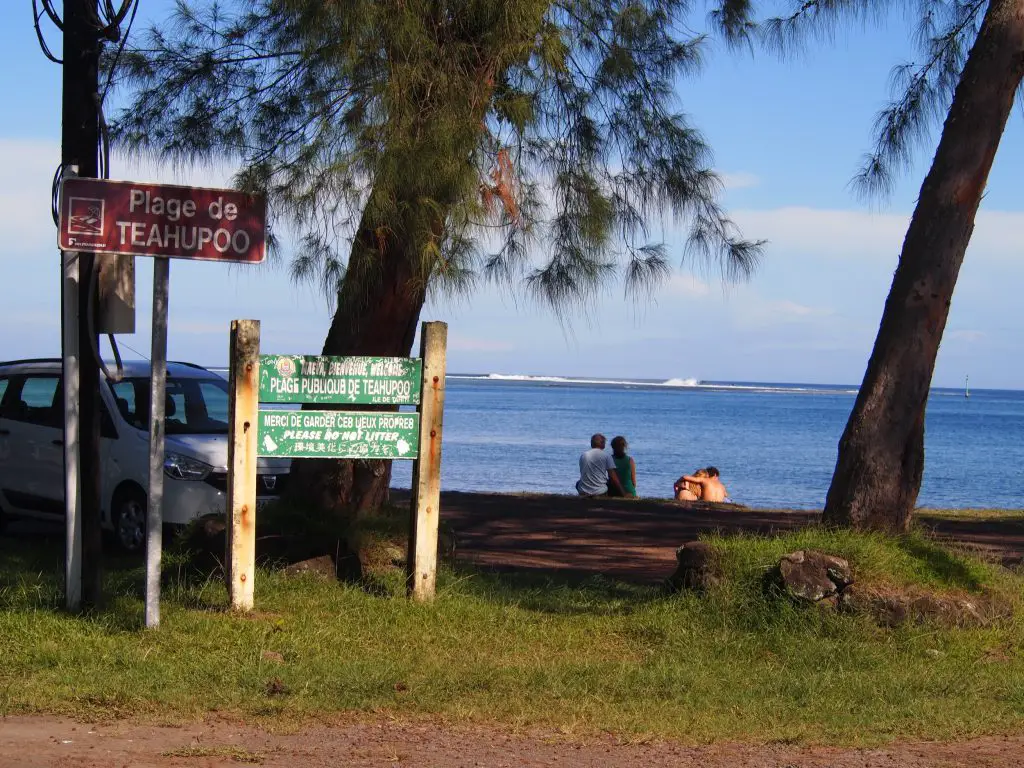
(597,471)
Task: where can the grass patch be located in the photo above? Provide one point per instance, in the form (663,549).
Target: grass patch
(905,561)
(584,657)
(971,514)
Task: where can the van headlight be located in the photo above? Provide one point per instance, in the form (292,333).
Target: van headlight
(185,468)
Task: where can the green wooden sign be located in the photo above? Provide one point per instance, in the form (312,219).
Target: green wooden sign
(322,379)
(338,434)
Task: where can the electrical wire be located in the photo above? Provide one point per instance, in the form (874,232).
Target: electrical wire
(54,17)
(90,315)
(135,351)
(36,16)
(108,21)
(120,47)
(104,140)
(117,356)
(109,26)
(58,177)
(114,20)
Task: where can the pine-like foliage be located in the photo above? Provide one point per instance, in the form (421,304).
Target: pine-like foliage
(922,89)
(968,71)
(510,139)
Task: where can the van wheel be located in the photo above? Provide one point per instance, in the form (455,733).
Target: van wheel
(130,521)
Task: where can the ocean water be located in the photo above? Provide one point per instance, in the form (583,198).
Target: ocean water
(775,444)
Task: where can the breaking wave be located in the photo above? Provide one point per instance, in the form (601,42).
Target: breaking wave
(675,383)
(522,377)
(681,383)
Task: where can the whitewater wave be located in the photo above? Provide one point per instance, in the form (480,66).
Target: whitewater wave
(675,383)
(522,377)
(681,383)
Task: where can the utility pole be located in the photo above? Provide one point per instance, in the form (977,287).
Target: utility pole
(80,150)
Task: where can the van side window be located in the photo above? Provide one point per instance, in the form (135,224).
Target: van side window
(3,391)
(36,402)
(216,400)
(107,428)
(125,395)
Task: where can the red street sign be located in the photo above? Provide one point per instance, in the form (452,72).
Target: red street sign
(133,219)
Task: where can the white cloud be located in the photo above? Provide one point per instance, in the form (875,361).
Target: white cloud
(754,312)
(683,284)
(26,178)
(740,180)
(27,166)
(149,170)
(794,310)
(459,343)
(967,336)
(23,318)
(852,234)
(200,328)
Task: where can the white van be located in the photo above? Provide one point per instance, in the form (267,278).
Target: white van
(195,466)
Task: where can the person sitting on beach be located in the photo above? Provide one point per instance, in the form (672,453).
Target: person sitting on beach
(688,487)
(625,467)
(597,471)
(711,487)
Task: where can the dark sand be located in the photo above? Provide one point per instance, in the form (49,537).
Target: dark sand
(635,540)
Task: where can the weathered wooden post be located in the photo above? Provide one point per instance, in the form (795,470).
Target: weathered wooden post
(421,563)
(243,394)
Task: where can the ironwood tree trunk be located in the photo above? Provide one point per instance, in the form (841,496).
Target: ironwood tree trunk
(379,305)
(385,283)
(881,453)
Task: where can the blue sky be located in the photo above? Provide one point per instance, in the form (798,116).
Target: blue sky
(787,137)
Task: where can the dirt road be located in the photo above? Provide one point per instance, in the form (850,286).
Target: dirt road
(34,742)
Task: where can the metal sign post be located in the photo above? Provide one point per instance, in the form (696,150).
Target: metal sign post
(157,428)
(99,216)
(72,499)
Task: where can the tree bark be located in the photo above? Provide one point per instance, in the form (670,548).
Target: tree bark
(379,304)
(881,453)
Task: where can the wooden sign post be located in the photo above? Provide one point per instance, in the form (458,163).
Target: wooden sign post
(335,434)
(421,563)
(243,407)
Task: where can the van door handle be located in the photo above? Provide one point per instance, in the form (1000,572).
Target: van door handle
(5,431)
(57,442)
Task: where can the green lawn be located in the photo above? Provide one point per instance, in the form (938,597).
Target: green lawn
(971,514)
(584,657)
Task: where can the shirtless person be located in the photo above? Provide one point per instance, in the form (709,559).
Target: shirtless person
(688,487)
(711,488)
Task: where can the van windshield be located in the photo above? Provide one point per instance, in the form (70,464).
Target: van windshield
(193,406)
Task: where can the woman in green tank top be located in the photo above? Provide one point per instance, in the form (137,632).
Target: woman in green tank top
(625,467)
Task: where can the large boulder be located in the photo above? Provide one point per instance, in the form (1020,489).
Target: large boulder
(811,576)
(205,541)
(892,607)
(697,568)
(319,566)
